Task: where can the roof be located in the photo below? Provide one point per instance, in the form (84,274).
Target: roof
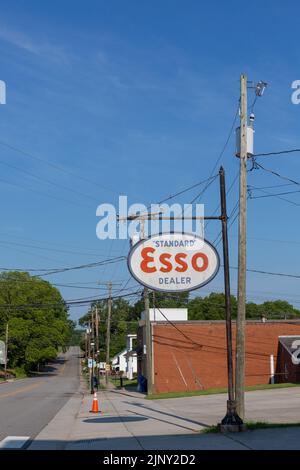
(121,353)
(216,322)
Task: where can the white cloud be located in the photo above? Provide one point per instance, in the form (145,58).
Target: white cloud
(39,48)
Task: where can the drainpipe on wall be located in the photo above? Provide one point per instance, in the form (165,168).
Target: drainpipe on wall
(272,375)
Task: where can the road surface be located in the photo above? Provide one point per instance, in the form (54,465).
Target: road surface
(27,405)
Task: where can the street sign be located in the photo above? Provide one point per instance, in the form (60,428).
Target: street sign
(173,262)
(90,363)
(2,352)
(107,367)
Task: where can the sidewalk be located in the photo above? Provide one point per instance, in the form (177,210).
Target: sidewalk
(129,422)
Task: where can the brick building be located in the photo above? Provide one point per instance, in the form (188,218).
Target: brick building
(191,355)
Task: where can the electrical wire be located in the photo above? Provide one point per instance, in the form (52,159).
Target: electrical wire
(49,271)
(6,242)
(21,186)
(214,347)
(189,188)
(48,181)
(55,166)
(71,302)
(268,170)
(271,195)
(276,153)
(227,140)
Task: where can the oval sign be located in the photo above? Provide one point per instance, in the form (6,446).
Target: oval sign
(173,262)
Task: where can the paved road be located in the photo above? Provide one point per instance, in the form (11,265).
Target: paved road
(27,405)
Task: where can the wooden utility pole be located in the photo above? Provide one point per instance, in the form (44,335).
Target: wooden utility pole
(6,351)
(148,341)
(241,288)
(97,341)
(109,306)
(89,351)
(93,352)
(85,351)
(148,327)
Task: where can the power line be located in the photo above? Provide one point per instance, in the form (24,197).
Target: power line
(178,329)
(272,195)
(91,265)
(21,186)
(270,273)
(55,166)
(48,249)
(202,345)
(277,174)
(71,302)
(274,186)
(198,196)
(189,188)
(276,153)
(89,251)
(213,170)
(48,181)
(227,140)
(49,271)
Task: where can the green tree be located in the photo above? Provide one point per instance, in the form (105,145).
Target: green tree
(123,322)
(37,316)
(278,309)
(211,307)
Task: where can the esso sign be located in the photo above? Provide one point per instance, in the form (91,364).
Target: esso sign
(173,262)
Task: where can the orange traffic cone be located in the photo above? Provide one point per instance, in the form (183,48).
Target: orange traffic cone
(95,406)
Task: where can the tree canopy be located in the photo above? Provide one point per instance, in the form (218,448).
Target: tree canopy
(37,317)
(125,316)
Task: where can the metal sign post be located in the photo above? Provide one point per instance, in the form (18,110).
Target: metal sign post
(231,421)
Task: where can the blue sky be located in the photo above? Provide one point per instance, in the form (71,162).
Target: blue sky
(137,98)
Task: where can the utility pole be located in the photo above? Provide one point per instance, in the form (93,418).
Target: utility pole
(231,421)
(89,351)
(148,341)
(93,353)
(97,342)
(148,327)
(241,289)
(109,306)
(6,351)
(108,321)
(86,347)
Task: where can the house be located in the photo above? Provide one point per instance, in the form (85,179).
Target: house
(119,361)
(126,360)
(192,355)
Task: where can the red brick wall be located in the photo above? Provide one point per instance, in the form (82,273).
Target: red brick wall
(198,360)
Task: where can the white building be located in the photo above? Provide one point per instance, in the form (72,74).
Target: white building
(165,314)
(126,360)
